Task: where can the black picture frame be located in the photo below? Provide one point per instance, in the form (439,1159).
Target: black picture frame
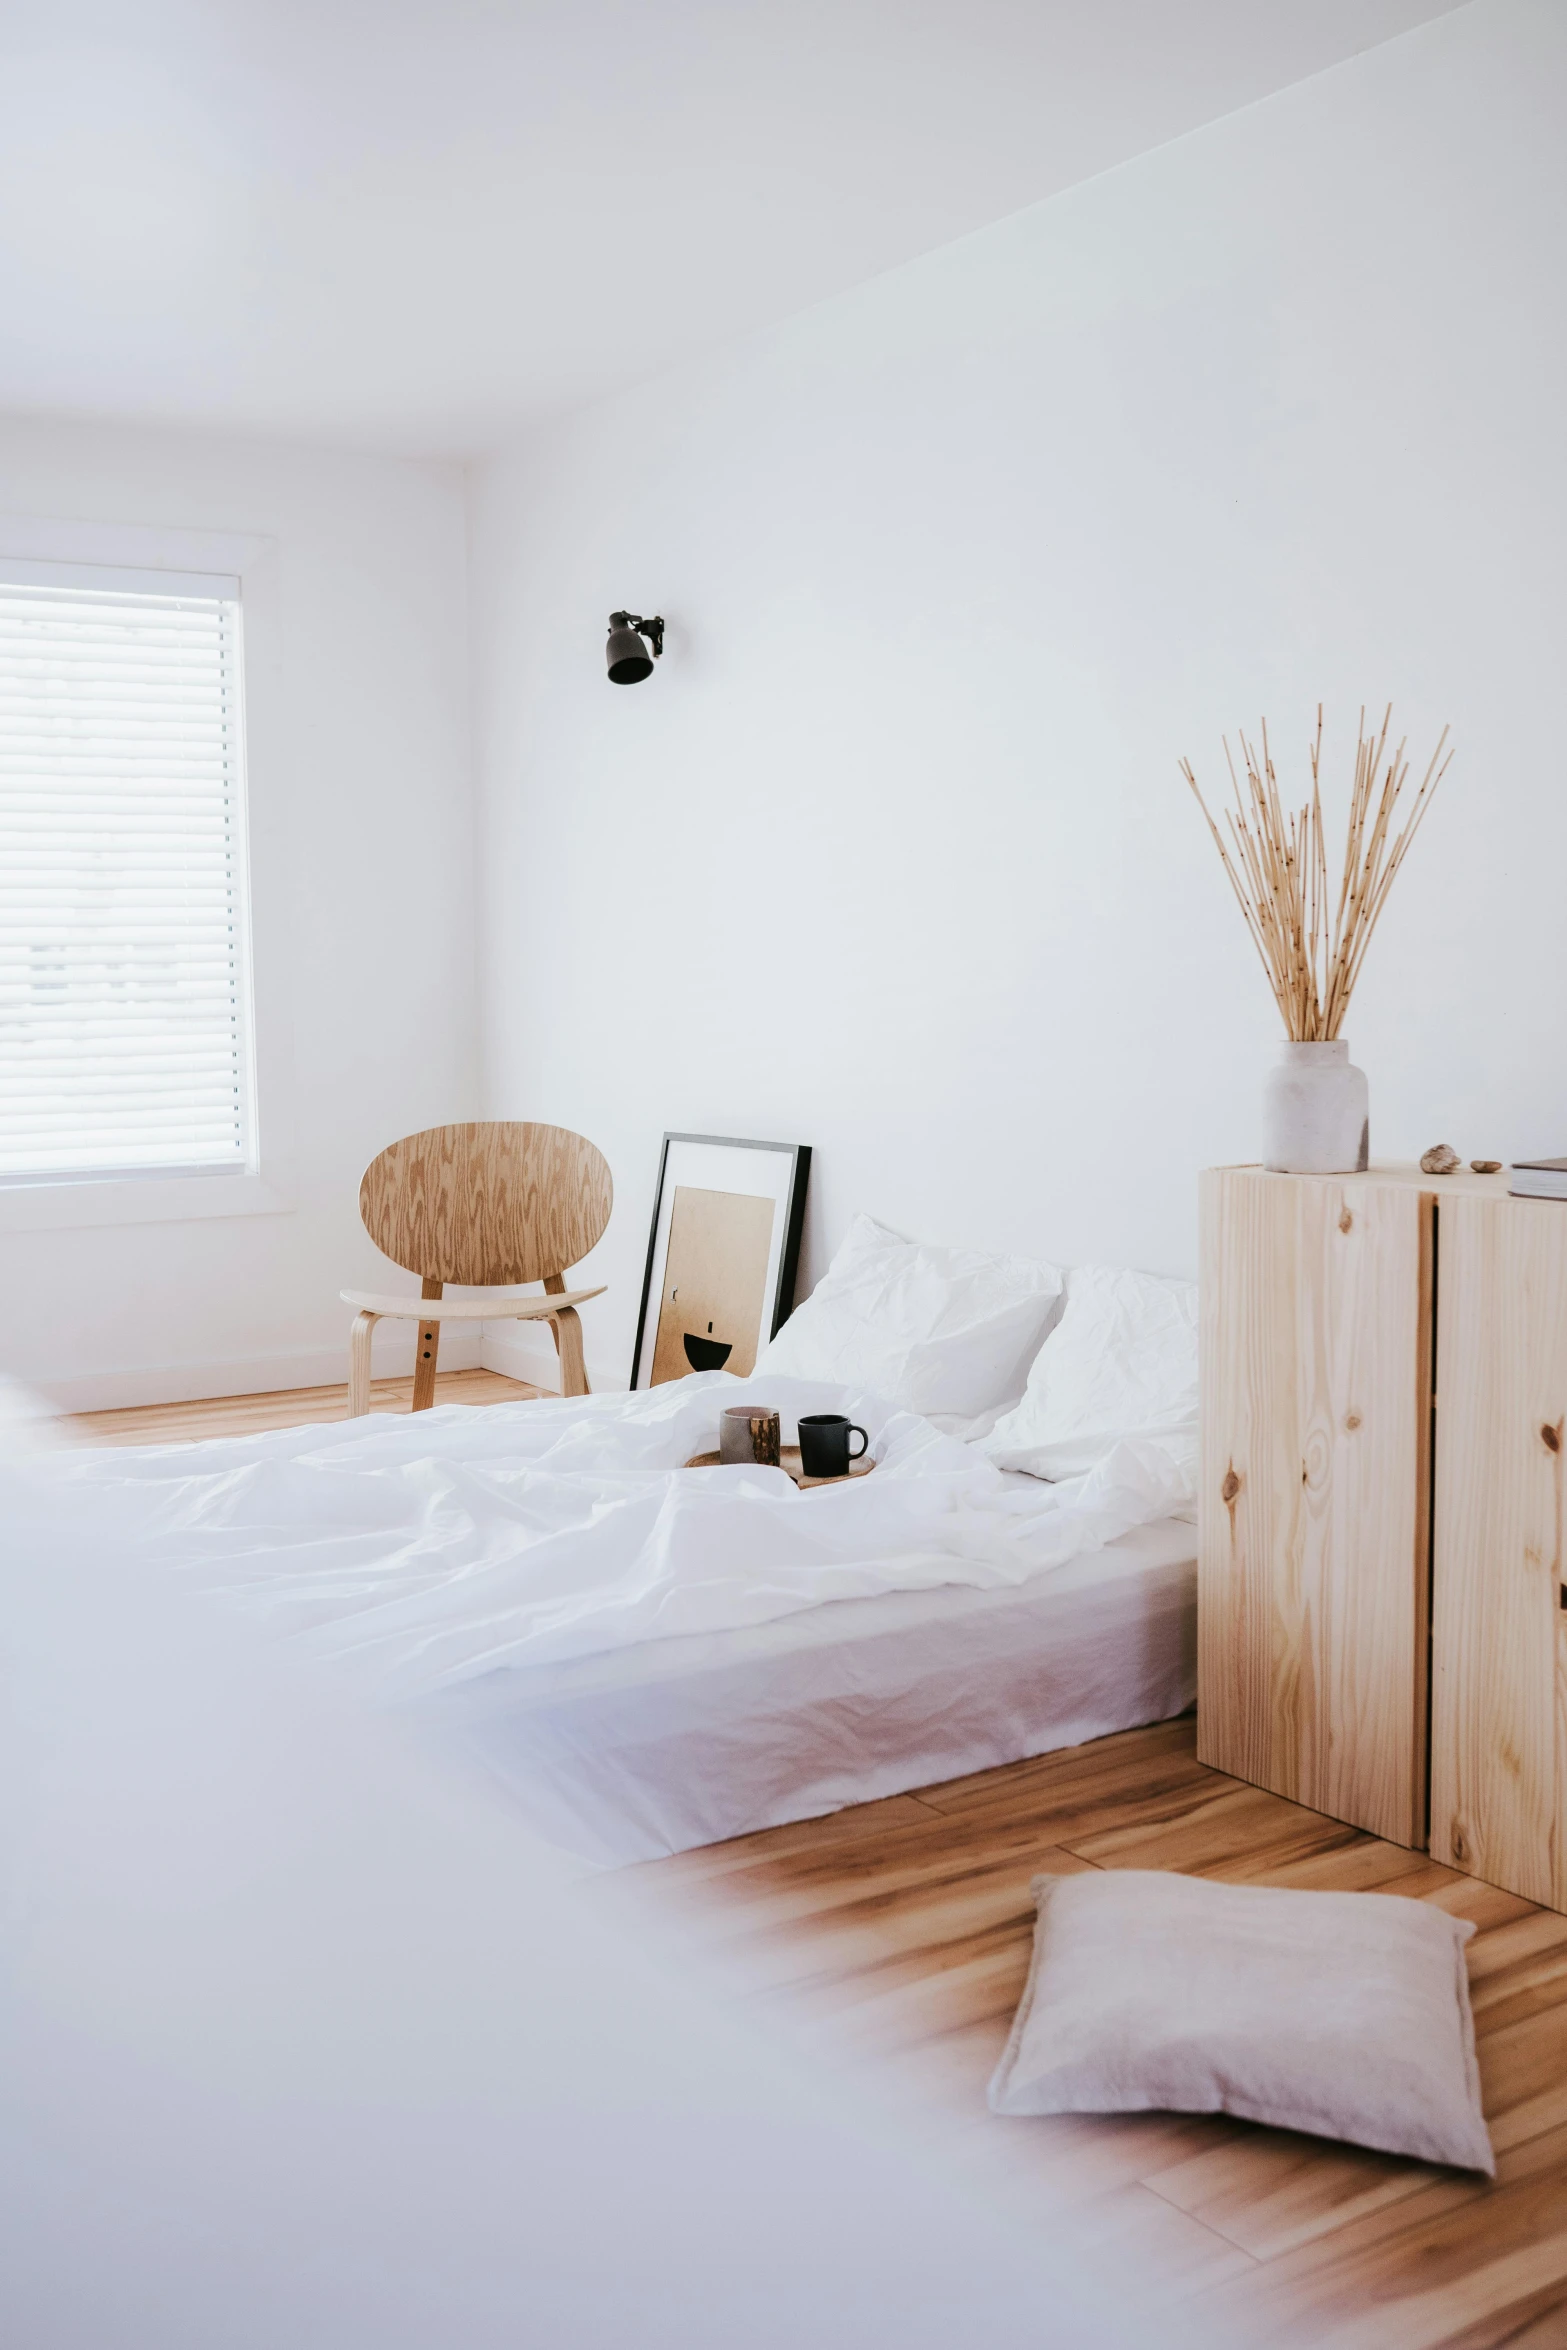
(792,1189)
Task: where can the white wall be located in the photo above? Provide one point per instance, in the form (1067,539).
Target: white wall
(361,792)
(891,855)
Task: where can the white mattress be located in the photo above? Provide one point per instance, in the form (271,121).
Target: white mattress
(647,1750)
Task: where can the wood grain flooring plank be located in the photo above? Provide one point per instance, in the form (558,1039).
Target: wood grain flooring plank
(1523,2076)
(844,1840)
(909,1999)
(1479,2306)
(1270,2191)
(1459,2253)
(1364,1865)
(1539,1935)
(921,1877)
(1538,2323)
(1273,1831)
(803,1936)
(289,1407)
(1082,1803)
(1529,1982)
(1487,1906)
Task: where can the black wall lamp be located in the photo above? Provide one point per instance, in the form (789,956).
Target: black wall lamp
(626,653)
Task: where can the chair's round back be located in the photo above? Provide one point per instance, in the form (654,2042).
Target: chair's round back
(487,1203)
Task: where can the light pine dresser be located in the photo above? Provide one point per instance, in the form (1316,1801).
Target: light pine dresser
(1381,1624)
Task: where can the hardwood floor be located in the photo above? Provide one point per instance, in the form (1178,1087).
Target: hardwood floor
(890,1941)
(289,1407)
(893,1940)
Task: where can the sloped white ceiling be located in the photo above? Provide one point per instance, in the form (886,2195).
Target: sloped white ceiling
(417,224)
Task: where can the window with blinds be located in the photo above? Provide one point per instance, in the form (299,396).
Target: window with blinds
(124,981)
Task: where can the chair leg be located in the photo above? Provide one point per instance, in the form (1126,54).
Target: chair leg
(568,1338)
(425,1358)
(566,1331)
(359,1364)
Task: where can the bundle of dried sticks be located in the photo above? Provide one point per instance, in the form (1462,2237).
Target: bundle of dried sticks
(1312,951)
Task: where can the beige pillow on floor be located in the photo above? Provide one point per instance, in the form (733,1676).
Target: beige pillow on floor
(1346,2014)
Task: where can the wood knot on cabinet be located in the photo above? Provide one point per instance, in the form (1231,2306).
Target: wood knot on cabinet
(1551,1437)
(1229,1489)
(1352,1421)
(1346,1221)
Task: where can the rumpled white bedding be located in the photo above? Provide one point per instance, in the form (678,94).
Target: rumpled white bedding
(425,1550)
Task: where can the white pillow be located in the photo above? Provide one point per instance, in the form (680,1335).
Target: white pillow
(947,1332)
(1346,2014)
(1121,1362)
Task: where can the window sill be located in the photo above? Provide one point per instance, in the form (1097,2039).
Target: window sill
(136,1199)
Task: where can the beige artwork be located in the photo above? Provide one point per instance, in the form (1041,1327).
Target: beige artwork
(715,1281)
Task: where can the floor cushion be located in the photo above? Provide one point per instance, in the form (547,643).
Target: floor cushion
(1345,2014)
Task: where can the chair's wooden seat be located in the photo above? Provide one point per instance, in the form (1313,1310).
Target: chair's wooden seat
(467,1309)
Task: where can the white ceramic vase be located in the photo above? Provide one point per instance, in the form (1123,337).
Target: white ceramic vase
(1315,1112)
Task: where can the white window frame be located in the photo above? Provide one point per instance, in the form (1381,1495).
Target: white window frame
(168,561)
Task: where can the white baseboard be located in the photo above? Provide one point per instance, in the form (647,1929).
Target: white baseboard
(525,1350)
(265,1374)
(522,1350)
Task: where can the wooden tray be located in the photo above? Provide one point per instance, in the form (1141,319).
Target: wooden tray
(789,1462)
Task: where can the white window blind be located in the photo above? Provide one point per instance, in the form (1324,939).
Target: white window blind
(124,1012)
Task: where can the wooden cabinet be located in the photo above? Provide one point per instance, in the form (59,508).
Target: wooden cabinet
(1499,1681)
(1313,1554)
(1382,1609)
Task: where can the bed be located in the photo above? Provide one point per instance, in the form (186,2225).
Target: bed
(653,1655)
(640,1752)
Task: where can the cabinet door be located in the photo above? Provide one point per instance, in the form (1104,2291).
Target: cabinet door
(1499,1635)
(1313,1544)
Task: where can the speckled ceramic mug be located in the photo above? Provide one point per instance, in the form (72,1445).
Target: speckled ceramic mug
(749,1432)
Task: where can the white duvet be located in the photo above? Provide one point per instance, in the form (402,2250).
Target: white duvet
(427,1549)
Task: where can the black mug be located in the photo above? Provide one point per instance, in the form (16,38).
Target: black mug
(824,1444)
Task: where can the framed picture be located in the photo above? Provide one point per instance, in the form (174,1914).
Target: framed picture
(722,1254)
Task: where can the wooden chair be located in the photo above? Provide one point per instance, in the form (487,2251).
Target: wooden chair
(480,1204)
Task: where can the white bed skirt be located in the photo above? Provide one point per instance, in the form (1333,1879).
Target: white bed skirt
(640,1752)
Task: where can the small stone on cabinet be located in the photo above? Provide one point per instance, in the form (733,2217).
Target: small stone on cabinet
(1441,1159)
(1486,1166)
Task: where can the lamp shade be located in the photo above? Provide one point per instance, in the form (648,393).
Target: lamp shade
(628,657)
